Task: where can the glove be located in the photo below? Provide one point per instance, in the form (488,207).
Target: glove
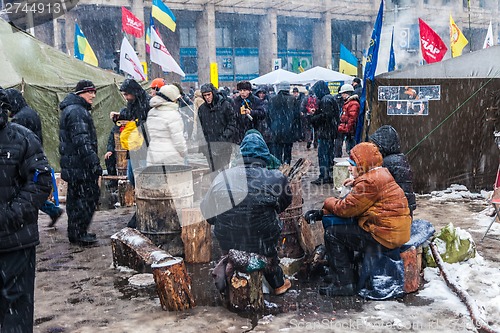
(314,215)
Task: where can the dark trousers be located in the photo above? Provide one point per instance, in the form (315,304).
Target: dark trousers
(339,142)
(17,287)
(341,242)
(282,151)
(325,158)
(81,203)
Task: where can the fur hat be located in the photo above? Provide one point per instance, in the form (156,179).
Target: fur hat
(244,85)
(84,86)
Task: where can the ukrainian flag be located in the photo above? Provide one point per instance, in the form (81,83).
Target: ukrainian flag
(348,62)
(163,14)
(83,51)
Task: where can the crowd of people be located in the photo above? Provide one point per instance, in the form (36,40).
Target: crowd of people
(243,200)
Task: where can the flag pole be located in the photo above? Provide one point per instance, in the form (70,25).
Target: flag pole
(470,31)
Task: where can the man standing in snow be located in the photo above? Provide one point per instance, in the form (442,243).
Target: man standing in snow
(80,165)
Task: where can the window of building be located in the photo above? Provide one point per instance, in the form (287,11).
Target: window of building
(187,37)
(223,37)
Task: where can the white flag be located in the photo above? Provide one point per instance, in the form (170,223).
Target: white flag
(129,61)
(488,42)
(160,55)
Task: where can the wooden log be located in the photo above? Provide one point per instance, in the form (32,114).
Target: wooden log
(173,284)
(310,235)
(132,249)
(245,291)
(196,235)
(412,259)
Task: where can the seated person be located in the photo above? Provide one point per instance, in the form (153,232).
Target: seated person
(381,218)
(387,140)
(243,203)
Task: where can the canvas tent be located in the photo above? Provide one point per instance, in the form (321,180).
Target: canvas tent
(454,143)
(274,77)
(320,73)
(46,75)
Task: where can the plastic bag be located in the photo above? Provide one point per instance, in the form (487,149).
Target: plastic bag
(131,137)
(454,245)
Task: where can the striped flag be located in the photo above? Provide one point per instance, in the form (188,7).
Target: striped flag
(83,51)
(163,14)
(348,63)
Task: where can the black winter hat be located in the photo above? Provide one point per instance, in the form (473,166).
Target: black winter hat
(84,86)
(208,87)
(244,85)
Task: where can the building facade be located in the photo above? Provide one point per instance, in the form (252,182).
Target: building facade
(248,38)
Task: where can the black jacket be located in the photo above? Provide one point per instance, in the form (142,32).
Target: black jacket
(25,184)
(78,141)
(259,195)
(283,116)
(22,114)
(387,140)
(218,121)
(258,114)
(139,107)
(326,119)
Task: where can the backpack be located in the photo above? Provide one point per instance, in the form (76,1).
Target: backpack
(312,104)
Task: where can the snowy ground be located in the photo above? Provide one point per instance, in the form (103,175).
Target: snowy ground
(78,289)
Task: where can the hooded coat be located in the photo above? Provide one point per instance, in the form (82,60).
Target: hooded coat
(217,119)
(22,114)
(326,118)
(244,202)
(387,140)
(139,107)
(165,132)
(283,118)
(78,140)
(376,200)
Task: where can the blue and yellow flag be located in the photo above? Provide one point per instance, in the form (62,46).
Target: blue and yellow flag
(83,51)
(163,14)
(348,63)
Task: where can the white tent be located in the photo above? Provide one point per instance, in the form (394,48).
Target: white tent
(320,73)
(275,77)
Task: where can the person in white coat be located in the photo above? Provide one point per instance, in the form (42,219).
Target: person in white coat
(167,145)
